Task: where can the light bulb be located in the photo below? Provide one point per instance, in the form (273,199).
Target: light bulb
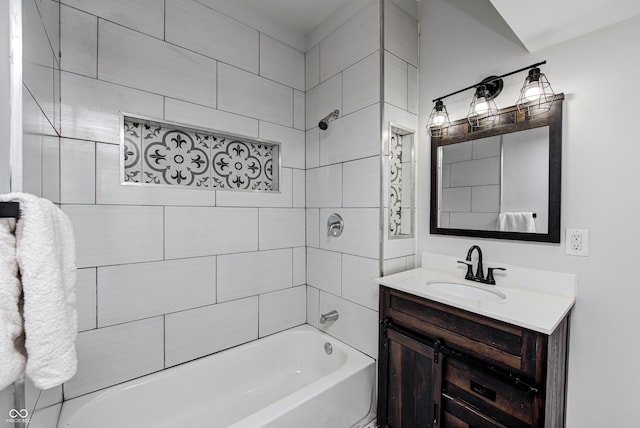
(481,106)
(532,93)
(438,119)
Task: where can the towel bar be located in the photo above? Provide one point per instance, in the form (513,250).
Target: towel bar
(9,209)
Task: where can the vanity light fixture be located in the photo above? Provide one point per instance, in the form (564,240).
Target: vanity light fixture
(438,119)
(483,109)
(536,95)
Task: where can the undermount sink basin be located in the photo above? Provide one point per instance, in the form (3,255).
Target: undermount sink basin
(466,291)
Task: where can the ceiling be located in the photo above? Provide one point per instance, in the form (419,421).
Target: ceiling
(537,24)
(299,16)
(543,23)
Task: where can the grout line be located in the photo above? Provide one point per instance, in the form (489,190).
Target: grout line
(97,45)
(218,92)
(342,185)
(164,234)
(95,172)
(95,272)
(258,226)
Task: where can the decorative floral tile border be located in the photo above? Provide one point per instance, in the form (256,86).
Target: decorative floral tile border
(156,153)
(395,185)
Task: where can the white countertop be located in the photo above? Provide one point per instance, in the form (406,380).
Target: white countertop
(538,310)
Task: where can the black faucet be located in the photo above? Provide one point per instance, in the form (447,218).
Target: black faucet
(479,275)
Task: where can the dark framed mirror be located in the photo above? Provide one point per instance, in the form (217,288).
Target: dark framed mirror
(501,182)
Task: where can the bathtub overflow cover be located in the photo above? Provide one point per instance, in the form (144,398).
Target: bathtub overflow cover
(328,348)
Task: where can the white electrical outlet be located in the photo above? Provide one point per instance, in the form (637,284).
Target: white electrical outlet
(577,242)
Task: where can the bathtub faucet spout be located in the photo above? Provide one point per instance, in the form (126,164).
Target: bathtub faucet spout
(329,316)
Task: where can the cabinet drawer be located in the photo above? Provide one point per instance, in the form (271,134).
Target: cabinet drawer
(509,346)
(457,415)
(501,400)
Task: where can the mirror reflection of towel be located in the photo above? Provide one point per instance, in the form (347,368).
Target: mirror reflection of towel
(516,222)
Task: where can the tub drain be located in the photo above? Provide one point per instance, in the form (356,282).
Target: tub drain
(328,348)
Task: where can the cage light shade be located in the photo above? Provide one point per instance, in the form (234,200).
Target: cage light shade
(438,120)
(536,95)
(482,110)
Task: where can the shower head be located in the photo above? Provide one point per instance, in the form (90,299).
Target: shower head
(324,123)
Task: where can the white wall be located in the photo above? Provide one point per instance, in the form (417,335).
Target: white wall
(167,275)
(400,109)
(343,166)
(599,184)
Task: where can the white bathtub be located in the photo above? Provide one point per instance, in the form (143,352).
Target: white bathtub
(281,381)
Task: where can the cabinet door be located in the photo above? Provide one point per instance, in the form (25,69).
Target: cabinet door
(414,376)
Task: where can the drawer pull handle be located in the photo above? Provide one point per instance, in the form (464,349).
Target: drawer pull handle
(483,390)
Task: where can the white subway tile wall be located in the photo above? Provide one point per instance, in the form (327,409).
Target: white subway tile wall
(209,118)
(281,228)
(116,354)
(136,60)
(323,99)
(41,169)
(245,259)
(324,186)
(401,33)
(269,271)
(201,331)
(146,16)
(163,268)
(400,109)
(79,35)
(312,67)
(110,234)
(344,163)
(361,84)
(281,63)
(353,41)
(395,81)
(299,106)
(77,172)
(86,298)
(324,270)
(282,309)
(357,325)
(361,182)
(361,231)
(354,136)
(292,141)
(192,25)
(243,92)
(151,291)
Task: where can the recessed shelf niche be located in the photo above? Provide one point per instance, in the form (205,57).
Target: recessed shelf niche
(155,153)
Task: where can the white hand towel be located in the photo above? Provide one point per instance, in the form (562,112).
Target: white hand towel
(516,222)
(12,359)
(45,251)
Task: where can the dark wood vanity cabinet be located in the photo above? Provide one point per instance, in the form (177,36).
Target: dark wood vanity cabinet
(440,366)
